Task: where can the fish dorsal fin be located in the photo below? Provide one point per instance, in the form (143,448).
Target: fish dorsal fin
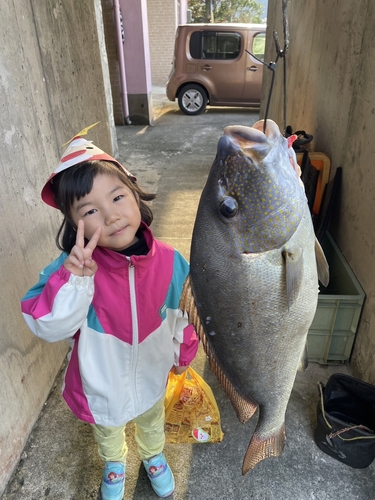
(293,272)
(243,406)
(321,264)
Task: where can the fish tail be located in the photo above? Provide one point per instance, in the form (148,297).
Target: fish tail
(260,449)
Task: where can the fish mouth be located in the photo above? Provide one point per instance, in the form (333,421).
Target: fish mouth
(251,140)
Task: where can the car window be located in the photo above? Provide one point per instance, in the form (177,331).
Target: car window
(215,45)
(259,46)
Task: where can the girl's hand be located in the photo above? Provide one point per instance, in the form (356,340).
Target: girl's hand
(178,370)
(79,261)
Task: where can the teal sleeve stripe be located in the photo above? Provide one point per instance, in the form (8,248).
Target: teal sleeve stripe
(43,277)
(180,271)
(93,321)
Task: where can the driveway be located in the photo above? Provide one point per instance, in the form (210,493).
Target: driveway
(60,461)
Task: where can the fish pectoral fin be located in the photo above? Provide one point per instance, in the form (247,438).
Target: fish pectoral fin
(303,360)
(321,264)
(261,448)
(293,273)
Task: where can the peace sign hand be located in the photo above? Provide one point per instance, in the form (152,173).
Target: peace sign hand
(79,261)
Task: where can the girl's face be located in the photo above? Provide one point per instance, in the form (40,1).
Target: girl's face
(112,206)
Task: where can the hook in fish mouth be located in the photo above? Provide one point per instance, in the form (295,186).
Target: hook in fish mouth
(255,144)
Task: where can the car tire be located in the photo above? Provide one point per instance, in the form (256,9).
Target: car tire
(192,99)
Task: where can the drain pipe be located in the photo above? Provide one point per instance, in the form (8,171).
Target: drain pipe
(120,47)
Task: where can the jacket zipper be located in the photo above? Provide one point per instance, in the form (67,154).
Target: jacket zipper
(133,305)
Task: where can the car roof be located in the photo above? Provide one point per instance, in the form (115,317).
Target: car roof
(214,26)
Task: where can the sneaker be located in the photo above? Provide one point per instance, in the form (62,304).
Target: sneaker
(113,481)
(160,474)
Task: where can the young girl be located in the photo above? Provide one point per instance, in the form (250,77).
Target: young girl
(113,294)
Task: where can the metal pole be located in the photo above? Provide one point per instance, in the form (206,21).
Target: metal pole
(121,60)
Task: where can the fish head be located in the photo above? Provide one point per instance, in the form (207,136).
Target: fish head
(253,190)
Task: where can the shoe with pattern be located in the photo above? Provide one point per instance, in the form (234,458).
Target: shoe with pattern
(160,475)
(113,481)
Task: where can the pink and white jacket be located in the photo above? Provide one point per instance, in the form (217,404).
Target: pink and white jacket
(124,327)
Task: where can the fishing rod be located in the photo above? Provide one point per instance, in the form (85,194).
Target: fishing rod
(280,54)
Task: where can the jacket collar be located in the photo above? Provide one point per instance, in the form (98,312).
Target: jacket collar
(113,261)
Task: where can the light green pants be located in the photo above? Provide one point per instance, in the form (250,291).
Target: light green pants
(149,435)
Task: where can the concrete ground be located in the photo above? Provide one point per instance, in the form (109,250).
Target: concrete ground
(60,460)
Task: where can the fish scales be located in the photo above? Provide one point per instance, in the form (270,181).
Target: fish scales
(253,284)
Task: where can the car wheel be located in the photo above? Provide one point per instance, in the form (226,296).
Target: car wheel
(192,99)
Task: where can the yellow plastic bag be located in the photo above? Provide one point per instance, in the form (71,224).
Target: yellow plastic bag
(191,412)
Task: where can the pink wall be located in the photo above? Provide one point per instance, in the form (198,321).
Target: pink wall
(136,46)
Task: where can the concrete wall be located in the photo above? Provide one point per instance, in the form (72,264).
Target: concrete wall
(330,94)
(53,82)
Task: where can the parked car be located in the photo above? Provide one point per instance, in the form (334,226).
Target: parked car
(211,66)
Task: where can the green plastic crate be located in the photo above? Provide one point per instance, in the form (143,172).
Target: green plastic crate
(331,335)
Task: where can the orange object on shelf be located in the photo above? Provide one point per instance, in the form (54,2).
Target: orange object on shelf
(323,164)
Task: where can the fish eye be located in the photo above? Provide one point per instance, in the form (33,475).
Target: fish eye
(229,207)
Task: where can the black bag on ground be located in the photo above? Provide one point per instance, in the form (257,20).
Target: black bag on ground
(346,420)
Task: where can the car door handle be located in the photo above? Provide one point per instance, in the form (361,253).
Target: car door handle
(252,68)
(206,67)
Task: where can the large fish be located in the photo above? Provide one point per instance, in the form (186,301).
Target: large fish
(253,285)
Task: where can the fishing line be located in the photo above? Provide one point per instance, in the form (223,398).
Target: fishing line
(281,53)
